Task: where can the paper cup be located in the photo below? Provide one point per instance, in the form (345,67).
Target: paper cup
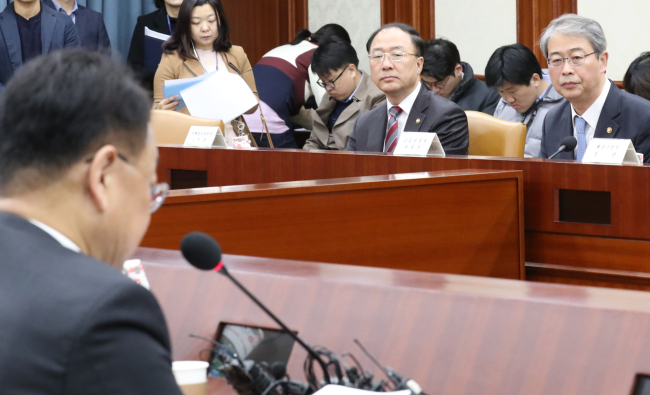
(191,376)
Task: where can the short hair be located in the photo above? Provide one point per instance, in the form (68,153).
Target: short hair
(440,58)
(514,63)
(333,55)
(322,35)
(62,107)
(416,39)
(637,76)
(181,40)
(575,26)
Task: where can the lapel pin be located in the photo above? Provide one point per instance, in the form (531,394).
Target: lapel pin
(609,130)
(417,122)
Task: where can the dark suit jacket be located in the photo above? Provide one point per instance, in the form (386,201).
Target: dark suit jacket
(628,116)
(156,21)
(435,114)
(57,32)
(91,28)
(74,325)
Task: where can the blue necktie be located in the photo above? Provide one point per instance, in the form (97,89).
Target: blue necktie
(582,138)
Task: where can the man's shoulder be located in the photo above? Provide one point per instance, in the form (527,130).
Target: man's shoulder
(368,116)
(557,112)
(634,103)
(90,13)
(438,103)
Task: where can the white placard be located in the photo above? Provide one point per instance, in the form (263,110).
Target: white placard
(205,137)
(418,143)
(611,151)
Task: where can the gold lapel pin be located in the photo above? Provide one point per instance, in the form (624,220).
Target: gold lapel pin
(417,122)
(609,130)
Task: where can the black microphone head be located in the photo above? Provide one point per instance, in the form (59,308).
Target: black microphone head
(278,370)
(570,143)
(201,251)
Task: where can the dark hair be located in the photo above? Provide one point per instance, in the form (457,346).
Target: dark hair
(514,63)
(416,39)
(637,76)
(159,3)
(301,36)
(181,40)
(322,35)
(51,120)
(333,55)
(440,58)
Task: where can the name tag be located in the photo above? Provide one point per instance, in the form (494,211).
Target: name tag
(612,152)
(205,137)
(417,143)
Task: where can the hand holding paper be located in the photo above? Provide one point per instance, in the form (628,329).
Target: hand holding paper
(222,96)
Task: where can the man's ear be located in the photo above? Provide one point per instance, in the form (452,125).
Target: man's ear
(458,70)
(420,63)
(603,58)
(102,164)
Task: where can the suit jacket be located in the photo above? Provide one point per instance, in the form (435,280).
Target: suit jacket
(57,32)
(367,97)
(74,325)
(156,21)
(627,115)
(91,29)
(435,114)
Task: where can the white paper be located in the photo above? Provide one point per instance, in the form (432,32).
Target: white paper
(204,137)
(611,151)
(223,96)
(418,143)
(151,33)
(332,389)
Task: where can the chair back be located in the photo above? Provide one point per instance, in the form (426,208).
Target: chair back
(490,136)
(171,127)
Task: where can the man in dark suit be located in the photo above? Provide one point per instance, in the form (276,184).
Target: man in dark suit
(395,52)
(77,185)
(89,23)
(27,30)
(576,50)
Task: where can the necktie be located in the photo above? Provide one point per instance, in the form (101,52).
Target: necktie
(582,138)
(391,129)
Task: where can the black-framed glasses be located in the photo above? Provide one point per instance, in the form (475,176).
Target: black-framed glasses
(437,84)
(575,60)
(331,83)
(159,191)
(393,56)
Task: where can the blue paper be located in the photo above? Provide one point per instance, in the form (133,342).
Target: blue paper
(180,85)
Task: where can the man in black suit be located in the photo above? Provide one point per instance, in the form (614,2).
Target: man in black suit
(576,50)
(77,184)
(90,24)
(395,52)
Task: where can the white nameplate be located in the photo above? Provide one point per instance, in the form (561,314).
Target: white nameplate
(611,151)
(418,143)
(205,137)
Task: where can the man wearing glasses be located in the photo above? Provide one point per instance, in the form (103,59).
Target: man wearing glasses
(77,188)
(445,74)
(576,51)
(395,52)
(349,93)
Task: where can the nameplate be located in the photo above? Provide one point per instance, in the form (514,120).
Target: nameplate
(205,137)
(418,143)
(611,152)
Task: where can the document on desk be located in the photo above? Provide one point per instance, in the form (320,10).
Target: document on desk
(175,87)
(222,96)
(332,389)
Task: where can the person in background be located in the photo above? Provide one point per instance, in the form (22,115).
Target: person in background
(288,88)
(445,74)
(161,21)
(526,92)
(89,23)
(77,188)
(200,45)
(28,30)
(350,92)
(637,77)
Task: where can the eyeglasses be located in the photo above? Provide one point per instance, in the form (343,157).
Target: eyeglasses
(158,191)
(330,84)
(574,60)
(437,84)
(393,56)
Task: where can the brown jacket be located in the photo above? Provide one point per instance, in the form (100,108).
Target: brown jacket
(367,97)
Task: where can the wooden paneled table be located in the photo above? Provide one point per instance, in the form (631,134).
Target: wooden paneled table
(452,334)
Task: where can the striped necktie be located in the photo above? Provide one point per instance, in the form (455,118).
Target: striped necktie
(582,138)
(391,129)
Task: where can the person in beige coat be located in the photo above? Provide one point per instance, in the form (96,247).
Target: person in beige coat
(349,93)
(200,44)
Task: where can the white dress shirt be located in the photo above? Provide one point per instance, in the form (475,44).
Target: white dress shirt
(58,236)
(591,116)
(406,105)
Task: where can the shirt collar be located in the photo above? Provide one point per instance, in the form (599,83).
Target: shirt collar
(592,114)
(407,103)
(357,88)
(59,8)
(58,236)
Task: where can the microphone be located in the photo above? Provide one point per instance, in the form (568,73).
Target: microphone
(567,144)
(203,252)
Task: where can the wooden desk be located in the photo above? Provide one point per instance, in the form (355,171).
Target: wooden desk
(461,221)
(613,255)
(452,334)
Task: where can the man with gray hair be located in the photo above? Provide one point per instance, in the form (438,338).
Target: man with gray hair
(576,51)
